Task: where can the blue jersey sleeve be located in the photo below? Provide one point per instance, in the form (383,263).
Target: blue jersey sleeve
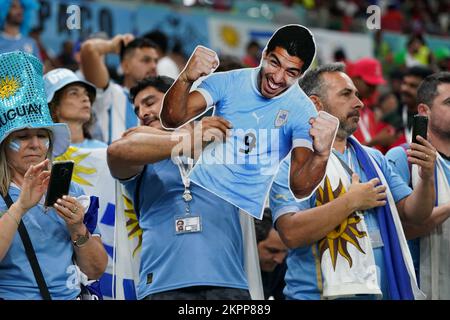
(399,162)
(214,87)
(281,200)
(399,188)
(299,123)
(130,184)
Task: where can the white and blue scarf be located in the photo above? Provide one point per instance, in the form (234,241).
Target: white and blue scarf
(402,282)
(360,277)
(435,247)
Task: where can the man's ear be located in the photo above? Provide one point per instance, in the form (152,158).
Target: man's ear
(124,65)
(317,102)
(423,109)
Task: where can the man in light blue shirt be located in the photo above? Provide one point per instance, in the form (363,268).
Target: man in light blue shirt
(313,227)
(269,114)
(112,108)
(14,26)
(431,239)
(192,246)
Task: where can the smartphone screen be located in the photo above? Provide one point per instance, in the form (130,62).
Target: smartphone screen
(60,178)
(420,125)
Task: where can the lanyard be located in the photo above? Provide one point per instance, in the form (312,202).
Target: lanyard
(184,173)
(344,165)
(349,165)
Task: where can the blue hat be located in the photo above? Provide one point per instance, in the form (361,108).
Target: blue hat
(59,78)
(23,102)
(30,7)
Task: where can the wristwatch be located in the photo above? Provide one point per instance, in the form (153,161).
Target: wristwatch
(81,240)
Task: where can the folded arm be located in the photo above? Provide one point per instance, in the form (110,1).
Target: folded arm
(127,156)
(306,172)
(308,226)
(439,215)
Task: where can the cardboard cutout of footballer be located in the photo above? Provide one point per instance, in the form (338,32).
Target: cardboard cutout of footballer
(266,116)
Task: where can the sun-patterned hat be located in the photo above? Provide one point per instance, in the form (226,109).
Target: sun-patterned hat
(23,102)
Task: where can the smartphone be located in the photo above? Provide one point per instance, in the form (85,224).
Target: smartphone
(60,178)
(419,127)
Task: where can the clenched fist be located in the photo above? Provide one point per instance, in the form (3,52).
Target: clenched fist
(323,131)
(201,63)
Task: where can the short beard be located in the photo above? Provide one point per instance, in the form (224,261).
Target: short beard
(14,22)
(444,135)
(343,131)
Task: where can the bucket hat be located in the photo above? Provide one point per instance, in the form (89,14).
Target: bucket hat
(57,79)
(23,102)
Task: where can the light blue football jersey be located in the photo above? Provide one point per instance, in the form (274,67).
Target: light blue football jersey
(19,43)
(212,257)
(241,170)
(54,251)
(301,277)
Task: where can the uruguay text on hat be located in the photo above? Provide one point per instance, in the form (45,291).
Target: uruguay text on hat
(23,103)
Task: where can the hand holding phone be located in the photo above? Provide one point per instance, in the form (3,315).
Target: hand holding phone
(60,178)
(419,127)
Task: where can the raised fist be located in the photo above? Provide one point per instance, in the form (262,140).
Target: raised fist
(201,63)
(323,131)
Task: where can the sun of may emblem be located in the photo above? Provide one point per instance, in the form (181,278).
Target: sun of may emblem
(133,227)
(347,232)
(8,87)
(72,154)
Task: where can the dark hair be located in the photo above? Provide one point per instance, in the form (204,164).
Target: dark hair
(228,62)
(312,82)
(253,43)
(263,227)
(339,55)
(159,38)
(297,41)
(396,74)
(415,37)
(137,43)
(384,96)
(418,71)
(160,83)
(56,103)
(427,90)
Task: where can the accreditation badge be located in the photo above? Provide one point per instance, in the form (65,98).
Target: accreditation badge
(187,224)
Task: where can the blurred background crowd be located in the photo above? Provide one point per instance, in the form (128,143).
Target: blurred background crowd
(410,40)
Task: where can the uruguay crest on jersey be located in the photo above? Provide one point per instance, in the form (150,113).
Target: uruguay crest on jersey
(281,118)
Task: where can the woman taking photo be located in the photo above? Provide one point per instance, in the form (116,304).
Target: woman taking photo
(59,238)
